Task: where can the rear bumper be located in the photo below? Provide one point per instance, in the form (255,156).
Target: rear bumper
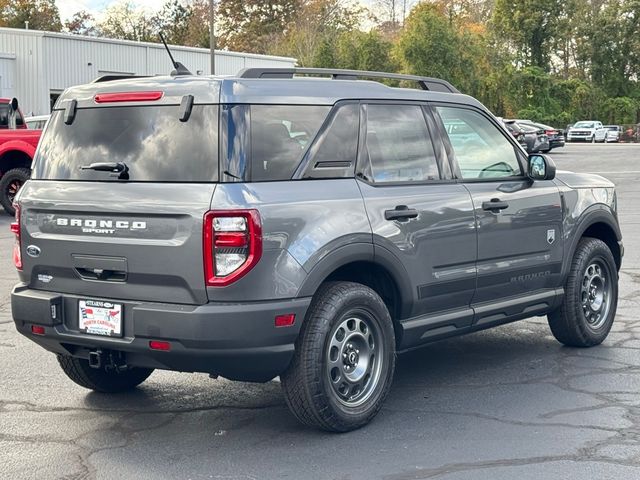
(556,142)
(237,341)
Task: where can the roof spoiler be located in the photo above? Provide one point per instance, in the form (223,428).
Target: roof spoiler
(108,78)
(425,83)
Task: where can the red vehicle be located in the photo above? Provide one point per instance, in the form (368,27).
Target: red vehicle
(17,148)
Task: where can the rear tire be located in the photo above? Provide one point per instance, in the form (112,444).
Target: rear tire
(344,360)
(591,297)
(10,183)
(100,379)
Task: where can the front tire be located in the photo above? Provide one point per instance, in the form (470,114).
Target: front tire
(591,297)
(101,379)
(344,361)
(10,184)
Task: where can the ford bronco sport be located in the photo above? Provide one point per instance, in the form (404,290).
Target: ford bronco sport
(273,224)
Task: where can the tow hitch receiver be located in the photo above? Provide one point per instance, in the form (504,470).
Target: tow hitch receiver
(108,360)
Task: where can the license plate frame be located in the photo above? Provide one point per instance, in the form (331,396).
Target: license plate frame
(101,317)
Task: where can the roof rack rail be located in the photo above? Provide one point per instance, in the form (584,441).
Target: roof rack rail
(426,83)
(108,78)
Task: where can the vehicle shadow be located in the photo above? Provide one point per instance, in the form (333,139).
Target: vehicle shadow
(457,390)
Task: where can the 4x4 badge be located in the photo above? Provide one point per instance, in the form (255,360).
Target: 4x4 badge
(551,236)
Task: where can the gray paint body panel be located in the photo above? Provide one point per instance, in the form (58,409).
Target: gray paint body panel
(303,222)
(163,260)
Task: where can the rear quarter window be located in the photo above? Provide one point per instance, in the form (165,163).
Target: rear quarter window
(267,142)
(151,141)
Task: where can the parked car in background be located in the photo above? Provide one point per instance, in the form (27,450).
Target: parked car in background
(36,123)
(614,132)
(555,136)
(17,148)
(587,131)
(532,139)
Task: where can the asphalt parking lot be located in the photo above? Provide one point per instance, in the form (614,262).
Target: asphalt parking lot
(509,403)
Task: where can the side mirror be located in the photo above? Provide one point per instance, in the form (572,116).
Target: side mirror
(14,104)
(541,167)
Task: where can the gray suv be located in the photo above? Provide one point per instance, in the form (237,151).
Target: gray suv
(273,224)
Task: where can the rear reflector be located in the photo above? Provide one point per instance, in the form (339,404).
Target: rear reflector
(17,248)
(128,97)
(157,345)
(285,320)
(37,330)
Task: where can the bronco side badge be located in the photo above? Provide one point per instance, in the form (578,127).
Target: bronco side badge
(551,236)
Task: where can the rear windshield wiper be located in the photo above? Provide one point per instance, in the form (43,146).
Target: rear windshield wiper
(117,169)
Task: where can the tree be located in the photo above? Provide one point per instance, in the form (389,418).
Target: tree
(311,35)
(174,20)
(530,26)
(432,45)
(252,25)
(41,14)
(82,23)
(124,21)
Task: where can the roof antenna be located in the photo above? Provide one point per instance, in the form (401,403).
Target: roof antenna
(180,69)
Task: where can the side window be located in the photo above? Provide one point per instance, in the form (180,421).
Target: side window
(398,147)
(4,116)
(481,148)
(280,135)
(333,154)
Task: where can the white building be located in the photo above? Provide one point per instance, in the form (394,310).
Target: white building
(35,67)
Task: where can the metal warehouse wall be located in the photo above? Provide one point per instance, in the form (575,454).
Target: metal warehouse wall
(34,65)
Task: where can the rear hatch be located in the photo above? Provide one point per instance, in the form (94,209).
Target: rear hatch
(130,229)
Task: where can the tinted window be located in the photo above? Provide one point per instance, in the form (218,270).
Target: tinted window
(480,147)
(333,155)
(151,141)
(280,135)
(398,146)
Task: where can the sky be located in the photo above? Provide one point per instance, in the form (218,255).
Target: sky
(69,7)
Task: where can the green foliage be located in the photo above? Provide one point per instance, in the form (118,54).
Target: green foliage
(41,14)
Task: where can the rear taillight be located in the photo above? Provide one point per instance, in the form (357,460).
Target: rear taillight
(15,228)
(551,132)
(232,245)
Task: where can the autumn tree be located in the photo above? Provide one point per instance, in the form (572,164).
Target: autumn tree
(82,23)
(40,14)
(252,25)
(126,22)
(312,35)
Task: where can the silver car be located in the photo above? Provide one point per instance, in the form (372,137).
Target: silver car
(613,133)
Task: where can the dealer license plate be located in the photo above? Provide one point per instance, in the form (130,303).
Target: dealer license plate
(99,317)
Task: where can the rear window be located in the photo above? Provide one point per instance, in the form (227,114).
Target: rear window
(151,141)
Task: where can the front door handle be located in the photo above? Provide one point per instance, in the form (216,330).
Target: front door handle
(401,212)
(495,205)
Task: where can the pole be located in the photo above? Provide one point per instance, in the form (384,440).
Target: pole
(212,37)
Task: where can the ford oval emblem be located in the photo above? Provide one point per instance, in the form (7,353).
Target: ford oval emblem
(33,251)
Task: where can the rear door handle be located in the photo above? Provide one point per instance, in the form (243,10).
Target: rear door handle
(401,212)
(495,205)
